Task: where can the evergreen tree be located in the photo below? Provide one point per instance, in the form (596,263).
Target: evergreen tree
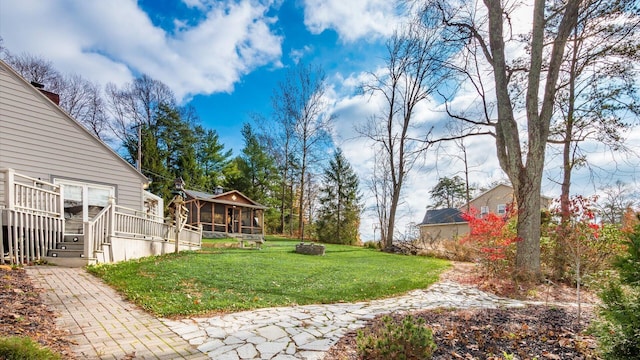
(448,192)
(258,167)
(212,159)
(340,208)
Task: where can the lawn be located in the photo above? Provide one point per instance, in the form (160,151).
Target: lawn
(227,279)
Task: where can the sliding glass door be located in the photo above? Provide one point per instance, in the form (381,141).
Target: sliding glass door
(82,202)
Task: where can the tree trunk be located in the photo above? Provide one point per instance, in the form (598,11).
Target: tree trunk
(528,225)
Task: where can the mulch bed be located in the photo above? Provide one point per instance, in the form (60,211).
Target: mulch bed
(536,332)
(22,313)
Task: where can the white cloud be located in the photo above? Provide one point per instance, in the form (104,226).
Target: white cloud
(354,19)
(112,40)
(297,54)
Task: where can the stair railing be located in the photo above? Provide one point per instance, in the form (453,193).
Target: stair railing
(98,231)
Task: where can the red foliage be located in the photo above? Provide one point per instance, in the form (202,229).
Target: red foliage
(493,236)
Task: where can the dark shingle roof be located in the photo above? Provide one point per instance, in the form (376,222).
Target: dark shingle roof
(442,216)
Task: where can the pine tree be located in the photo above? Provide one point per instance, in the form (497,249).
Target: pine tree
(340,207)
(212,157)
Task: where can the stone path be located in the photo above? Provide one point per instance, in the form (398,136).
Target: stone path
(307,332)
(104,326)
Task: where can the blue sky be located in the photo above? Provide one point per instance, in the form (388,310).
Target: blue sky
(225,57)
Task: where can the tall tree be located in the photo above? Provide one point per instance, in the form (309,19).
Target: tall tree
(134,105)
(414,70)
(449,192)
(340,208)
(598,94)
(211,157)
(303,111)
(527,83)
(258,167)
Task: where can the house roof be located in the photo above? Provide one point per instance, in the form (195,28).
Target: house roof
(72,120)
(225,198)
(442,216)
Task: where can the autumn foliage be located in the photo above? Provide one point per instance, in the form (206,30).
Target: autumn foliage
(588,245)
(494,237)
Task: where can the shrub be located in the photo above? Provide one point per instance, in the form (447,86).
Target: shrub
(24,348)
(618,327)
(586,247)
(495,236)
(410,339)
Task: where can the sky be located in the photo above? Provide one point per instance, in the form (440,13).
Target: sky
(226,57)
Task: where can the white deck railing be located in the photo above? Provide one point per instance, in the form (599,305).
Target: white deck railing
(28,235)
(28,194)
(32,222)
(131,222)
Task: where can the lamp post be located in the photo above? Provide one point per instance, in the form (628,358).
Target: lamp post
(178,203)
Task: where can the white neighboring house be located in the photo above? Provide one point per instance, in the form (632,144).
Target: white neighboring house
(65,194)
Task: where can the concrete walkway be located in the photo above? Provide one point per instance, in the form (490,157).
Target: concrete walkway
(104,326)
(101,323)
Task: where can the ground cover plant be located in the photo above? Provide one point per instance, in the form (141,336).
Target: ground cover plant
(225,279)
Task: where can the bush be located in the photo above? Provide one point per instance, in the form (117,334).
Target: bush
(495,236)
(618,327)
(410,339)
(24,348)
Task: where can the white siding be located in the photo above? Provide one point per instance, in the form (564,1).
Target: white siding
(38,139)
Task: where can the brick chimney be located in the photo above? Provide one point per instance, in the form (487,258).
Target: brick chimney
(52,96)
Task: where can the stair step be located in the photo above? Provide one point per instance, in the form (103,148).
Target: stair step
(73,238)
(70,245)
(65,253)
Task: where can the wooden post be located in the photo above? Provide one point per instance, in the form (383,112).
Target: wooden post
(178,202)
(9,194)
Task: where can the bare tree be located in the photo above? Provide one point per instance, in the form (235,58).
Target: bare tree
(598,94)
(304,112)
(79,97)
(414,70)
(615,201)
(280,133)
(134,105)
(380,187)
(83,100)
(522,87)
(36,69)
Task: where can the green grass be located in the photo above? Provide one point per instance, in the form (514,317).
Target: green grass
(24,348)
(220,279)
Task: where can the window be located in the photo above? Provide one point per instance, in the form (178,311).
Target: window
(502,209)
(484,210)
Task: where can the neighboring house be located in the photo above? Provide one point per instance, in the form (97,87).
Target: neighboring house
(446,224)
(224,214)
(64,192)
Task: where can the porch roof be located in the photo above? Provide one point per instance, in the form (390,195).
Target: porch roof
(223,198)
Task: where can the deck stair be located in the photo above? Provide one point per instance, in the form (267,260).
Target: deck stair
(72,246)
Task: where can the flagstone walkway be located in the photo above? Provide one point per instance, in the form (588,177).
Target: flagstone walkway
(104,326)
